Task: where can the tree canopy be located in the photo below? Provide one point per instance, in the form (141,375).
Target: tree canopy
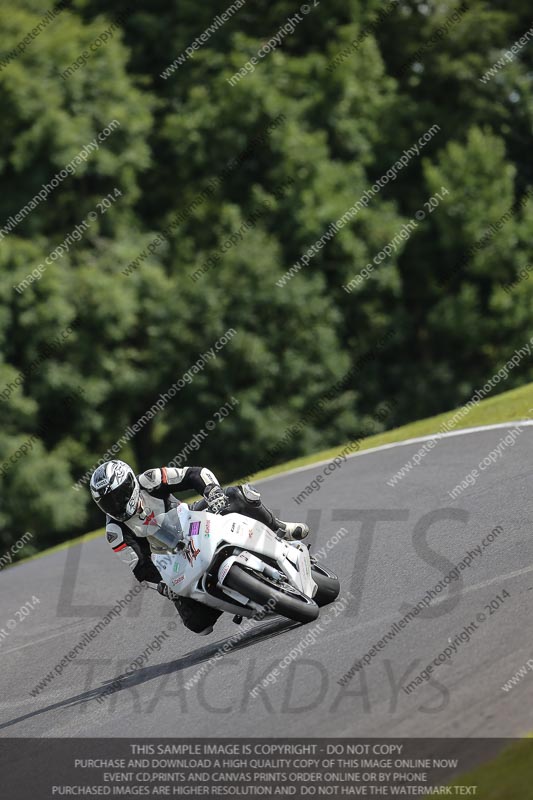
(169,202)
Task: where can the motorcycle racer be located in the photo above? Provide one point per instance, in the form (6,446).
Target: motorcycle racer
(131,501)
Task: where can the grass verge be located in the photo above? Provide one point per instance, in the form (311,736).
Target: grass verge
(507,777)
(506,407)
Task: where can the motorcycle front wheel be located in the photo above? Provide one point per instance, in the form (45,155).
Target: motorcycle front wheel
(282,598)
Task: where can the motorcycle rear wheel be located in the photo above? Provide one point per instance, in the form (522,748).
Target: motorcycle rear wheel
(328,585)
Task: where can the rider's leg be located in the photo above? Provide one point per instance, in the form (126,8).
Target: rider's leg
(247,500)
(196,616)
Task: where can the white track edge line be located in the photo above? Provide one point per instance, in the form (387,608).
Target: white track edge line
(391,445)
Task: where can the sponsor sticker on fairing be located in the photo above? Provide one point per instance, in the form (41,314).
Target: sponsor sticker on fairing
(194,529)
(150,517)
(191,552)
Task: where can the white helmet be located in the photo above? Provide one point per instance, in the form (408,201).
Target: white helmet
(115,489)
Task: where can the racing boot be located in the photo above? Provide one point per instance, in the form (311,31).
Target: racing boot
(292,531)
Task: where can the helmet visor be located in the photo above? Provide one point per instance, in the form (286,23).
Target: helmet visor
(115,502)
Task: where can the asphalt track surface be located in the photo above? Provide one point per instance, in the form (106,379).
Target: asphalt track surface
(421,533)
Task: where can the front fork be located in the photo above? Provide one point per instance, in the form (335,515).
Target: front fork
(251,562)
(248,560)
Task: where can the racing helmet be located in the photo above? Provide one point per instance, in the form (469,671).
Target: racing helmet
(115,489)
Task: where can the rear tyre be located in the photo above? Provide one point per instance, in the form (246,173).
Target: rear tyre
(328,586)
(288,601)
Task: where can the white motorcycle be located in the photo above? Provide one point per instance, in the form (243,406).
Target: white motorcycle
(238,565)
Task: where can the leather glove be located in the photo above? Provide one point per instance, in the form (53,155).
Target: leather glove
(163,589)
(215,498)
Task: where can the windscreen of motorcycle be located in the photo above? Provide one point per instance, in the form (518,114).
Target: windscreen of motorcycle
(168,528)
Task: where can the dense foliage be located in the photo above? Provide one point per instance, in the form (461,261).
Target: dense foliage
(215,188)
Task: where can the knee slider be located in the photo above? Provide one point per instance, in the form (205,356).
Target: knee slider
(250,494)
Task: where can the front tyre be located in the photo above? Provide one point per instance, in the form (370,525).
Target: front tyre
(283,598)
